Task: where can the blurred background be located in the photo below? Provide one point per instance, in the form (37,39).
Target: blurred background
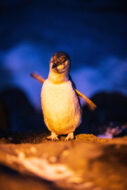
(92,32)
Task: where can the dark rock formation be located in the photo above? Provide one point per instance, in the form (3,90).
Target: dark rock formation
(111,113)
(17,114)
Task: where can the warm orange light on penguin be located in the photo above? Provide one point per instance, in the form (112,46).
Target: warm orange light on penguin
(60,103)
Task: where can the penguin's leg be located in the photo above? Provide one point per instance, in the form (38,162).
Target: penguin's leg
(70,136)
(53,137)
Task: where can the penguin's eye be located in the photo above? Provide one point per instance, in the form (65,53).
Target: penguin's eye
(54,65)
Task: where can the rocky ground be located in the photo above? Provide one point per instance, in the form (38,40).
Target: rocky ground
(88,162)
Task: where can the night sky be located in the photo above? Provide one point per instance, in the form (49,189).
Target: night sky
(92,32)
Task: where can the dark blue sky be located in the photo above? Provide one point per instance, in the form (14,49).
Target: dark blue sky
(92,32)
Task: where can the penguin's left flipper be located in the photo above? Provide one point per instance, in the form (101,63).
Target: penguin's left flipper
(70,136)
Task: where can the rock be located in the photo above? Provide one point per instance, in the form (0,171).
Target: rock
(88,162)
(17,113)
(111,113)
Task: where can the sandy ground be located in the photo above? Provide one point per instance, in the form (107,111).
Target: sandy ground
(88,162)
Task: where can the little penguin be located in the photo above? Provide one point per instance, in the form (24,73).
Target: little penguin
(60,104)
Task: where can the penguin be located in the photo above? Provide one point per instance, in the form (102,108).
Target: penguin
(60,103)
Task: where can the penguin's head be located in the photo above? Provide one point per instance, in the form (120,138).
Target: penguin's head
(60,63)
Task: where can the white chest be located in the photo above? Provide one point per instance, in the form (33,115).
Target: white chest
(58,97)
(60,105)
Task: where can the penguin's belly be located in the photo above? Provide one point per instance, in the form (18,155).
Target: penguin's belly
(60,105)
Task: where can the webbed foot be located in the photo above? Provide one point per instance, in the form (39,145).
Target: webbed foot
(70,136)
(53,137)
